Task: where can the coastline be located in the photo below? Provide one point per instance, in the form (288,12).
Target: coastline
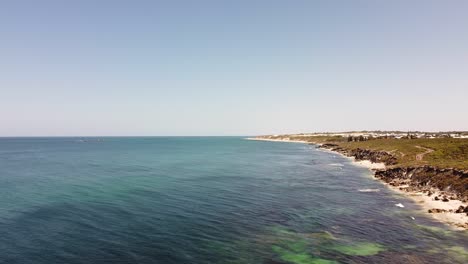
(362,163)
(442,211)
(447,209)
(276,140)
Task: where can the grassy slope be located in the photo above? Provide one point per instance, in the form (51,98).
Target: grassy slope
(448,152)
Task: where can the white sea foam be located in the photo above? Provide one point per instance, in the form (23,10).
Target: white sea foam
(369,190)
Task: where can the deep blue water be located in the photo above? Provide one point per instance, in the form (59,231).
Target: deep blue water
(204,200)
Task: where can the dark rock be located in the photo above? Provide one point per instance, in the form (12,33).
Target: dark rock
(436,211)
(425,177)
(460,209)
(374,156)
(328,146)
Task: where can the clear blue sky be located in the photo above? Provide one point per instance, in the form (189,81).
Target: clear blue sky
(231,67)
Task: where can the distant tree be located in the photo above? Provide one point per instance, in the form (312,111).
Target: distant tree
(350,138)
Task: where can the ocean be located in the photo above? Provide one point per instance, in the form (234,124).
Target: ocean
(204,200)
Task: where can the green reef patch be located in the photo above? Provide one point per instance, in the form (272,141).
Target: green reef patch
(458,253)
(360,249)
(297,254)
(294,248)
(434,230)
(318,248)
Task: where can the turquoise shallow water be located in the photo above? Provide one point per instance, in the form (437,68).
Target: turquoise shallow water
(203,200)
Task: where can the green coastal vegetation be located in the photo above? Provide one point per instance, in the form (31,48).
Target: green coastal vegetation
(441,152)
(438,152)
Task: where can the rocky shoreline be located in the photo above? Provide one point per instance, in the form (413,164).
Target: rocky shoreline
(443,192)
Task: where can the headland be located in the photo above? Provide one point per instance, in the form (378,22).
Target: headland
(430,168)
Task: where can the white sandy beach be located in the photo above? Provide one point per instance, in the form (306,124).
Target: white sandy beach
(277,140)
(428,202)
(362,163)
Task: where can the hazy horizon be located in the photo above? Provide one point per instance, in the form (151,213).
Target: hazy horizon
(214,68)
(237,135)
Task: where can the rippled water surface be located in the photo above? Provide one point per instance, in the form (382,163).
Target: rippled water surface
(204,200)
